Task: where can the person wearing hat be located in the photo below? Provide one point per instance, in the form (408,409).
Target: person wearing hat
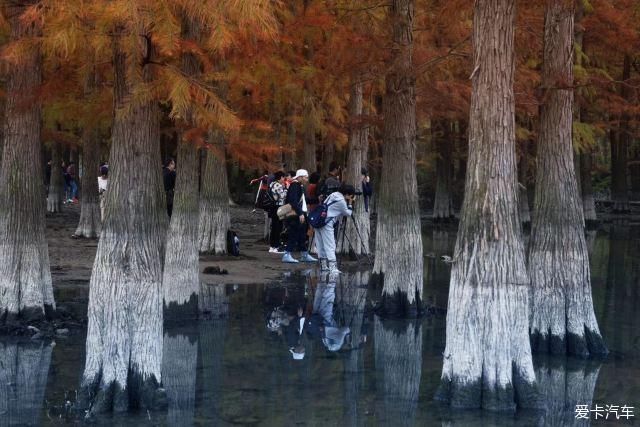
(339,204)
(297,225)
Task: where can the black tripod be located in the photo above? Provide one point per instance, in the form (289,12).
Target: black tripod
(365,255)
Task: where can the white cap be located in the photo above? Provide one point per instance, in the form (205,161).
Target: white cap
(301,173)
(297,356)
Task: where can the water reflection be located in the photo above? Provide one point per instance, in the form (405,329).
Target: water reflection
(179,363)
(398,354)
(24,368)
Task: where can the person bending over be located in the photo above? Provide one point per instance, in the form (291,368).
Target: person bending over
(339,204)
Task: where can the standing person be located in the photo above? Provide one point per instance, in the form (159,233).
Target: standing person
(279,194)
(312,191)
(72,183)
(367,188)
(103,181)
(339,204)
(169,179)
(65,177)
(297,225)
(331,183)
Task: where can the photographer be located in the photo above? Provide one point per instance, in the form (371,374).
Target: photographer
(339,204)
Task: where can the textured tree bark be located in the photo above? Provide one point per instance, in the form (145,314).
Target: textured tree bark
(90,224)
(179,363)
(398,358)
(25,277)
(24,369)
(566,384)
(181,274)
(487,359)
(309,160)
(124,337)
(398,260)
(214,200)
(358,230)
(619,139)
(523,169)
(562,319)
(443,203)
(586,187)
(56,181)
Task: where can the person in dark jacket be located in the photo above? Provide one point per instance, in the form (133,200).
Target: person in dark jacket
(331,183)
(169,179)
(297,225)
(72,183)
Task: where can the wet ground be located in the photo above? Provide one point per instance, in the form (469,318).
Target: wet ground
(238,367)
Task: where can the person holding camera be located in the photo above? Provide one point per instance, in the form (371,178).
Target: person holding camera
(339,204)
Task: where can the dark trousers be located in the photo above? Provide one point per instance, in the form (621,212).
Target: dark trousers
(276,231)
(297,235)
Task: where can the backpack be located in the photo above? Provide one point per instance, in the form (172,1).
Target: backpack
(233,243)
(318,216)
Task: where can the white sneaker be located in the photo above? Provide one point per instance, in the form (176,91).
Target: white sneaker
(275,251)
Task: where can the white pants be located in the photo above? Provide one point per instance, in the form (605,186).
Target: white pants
(326,241)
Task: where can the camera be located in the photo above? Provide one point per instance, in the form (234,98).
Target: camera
(358,193)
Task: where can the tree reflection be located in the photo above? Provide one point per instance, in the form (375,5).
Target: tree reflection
(24,369)
(179,362)
(398,358)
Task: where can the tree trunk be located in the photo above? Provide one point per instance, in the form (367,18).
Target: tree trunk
(566,384)
(181,274)
(588,201)
(487,359)
(357,234)
(309,160)
(214,200)
(562,319)
(398,359)
(619,139)
(398,237)
(523,170)
(443,203)
(124,336)
(24,369)
(56,181)
(328,155)
(179,363)
(290,151)
(25,277)
(90,223)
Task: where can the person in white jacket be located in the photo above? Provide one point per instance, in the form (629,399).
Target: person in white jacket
(339,204)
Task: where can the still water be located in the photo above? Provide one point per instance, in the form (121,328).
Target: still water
(350,368)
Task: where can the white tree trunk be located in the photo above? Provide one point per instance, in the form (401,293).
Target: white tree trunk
(179,363)
(25,277)
(124,337)
(214,201)
(56,181)
(358,231)
(90,222)
(562,317)
(398,358)
(398,259)
(181,274)
(487,359)
(24,369)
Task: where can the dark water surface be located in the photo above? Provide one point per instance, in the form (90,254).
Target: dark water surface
(235,370)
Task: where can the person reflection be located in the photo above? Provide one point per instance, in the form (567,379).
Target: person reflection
(322,323)
(287,318)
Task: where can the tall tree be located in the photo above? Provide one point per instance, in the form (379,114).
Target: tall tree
(181,274)
(562,316)
(398,238)
(358,231)
(214,199)
(487,359)
(124,337)
(620,138)
(56,180)
(90,223)
(443,203)
(25,277)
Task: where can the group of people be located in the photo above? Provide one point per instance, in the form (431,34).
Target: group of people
(289,199)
